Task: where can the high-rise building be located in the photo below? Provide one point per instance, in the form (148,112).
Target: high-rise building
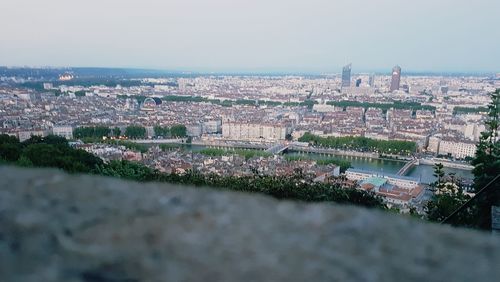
(371,80)
(358,82)
(396,78)
(346,76)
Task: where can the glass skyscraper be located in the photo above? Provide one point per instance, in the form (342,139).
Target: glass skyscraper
(346,76)
(396,78)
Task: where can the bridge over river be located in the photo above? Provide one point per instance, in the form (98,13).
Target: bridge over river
(278,148)
(407,167)
(421,168)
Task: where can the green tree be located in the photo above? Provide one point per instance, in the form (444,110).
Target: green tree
(448,197)
(10,148)
(80,93)
(162,131)
(281,187)
(438,173)
(10,152)
(43,155)
(465,110)
(443,205)
(362,144)
(51,151)
(91,132)
(178,131)
(309,103)
(383,106)
(55,140)
(4,138)
(117,132)
(24,162)
(55,152)
(126,170)
(487,164)
(135,132)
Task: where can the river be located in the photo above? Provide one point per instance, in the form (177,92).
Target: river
(423,172)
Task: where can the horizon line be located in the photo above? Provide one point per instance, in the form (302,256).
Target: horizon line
(269,71)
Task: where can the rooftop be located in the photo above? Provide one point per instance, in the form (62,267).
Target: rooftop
(375,181)
(381,174)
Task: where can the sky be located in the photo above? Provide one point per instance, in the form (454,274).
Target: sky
(317,36)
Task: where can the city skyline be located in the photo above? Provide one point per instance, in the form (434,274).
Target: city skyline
(259,37)
(199,140)
(335,71)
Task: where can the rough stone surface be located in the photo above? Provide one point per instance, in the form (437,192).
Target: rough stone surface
(59,227)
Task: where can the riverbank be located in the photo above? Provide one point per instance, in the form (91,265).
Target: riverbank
(338,152)
(359,160)
(446,163)
(264,146)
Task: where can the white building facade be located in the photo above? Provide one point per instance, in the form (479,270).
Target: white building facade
(65,131)
(253,131)
(457,149)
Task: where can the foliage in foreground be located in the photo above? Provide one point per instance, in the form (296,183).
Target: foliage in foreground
(53,151)
(50,151)
(449,196)
(280,187)
(487,163)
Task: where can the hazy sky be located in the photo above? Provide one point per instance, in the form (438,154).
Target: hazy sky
(253,35)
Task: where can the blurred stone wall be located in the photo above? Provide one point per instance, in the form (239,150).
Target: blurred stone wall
(60,227)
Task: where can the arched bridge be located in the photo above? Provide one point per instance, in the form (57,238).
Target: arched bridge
(278,148)
(407,166)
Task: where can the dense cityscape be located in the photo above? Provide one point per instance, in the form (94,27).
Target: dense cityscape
(381,133)
(227,140)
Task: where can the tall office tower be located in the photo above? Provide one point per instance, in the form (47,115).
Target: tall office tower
(396,78)
(371,80)
(358,82)
(346,76)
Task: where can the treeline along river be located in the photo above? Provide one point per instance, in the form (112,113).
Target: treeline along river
(388,166)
